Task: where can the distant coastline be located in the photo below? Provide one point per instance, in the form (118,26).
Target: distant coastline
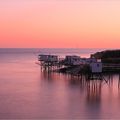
(77,51)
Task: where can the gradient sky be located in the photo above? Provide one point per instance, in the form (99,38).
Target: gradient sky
(60,23)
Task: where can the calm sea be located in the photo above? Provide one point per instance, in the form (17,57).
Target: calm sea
(27,92)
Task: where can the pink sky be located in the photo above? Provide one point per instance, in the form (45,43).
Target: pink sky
(60,23)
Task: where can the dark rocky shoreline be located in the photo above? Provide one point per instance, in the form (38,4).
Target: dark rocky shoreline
(108,56)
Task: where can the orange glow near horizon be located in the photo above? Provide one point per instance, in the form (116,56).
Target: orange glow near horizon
(60,23)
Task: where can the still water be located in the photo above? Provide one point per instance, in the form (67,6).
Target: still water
(27,92)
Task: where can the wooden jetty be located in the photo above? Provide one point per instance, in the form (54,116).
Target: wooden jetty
(49,62)
(92,68)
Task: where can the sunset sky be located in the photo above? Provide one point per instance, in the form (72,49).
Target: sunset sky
(60,23)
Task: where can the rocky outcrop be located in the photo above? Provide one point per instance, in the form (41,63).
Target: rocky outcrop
(108,56)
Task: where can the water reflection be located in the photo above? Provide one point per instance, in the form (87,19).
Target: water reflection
(92,97)
(92,88)
(46,75)
(119,81)
(92,91)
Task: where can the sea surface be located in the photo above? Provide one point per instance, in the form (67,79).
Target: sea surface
(29,93)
